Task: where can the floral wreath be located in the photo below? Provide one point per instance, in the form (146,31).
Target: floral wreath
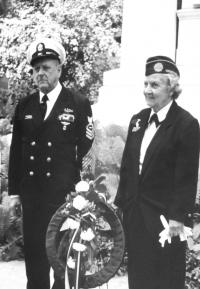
(85,239)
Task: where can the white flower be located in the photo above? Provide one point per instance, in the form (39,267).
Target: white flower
(71,263)
(75,48)
(82,186)
(69,224)
(74,42)
(79,247)
(80,203)
(87,235)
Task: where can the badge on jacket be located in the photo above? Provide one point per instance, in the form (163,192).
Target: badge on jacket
(136,125)
(66,118)
(28,116)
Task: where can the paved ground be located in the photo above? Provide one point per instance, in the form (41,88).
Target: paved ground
(12,276)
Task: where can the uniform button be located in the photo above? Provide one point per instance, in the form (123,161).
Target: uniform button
(48,174)
(49,144)
(33,143)
(48,159)
(189,215)
(31,173)
(32,158)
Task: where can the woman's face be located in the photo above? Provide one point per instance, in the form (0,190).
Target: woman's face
(157,90)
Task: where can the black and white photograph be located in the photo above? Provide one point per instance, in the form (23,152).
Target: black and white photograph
(99,144)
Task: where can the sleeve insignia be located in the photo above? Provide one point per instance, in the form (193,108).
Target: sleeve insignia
(90,129)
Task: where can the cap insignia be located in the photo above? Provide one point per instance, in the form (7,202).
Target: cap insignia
(158,67)
(40,47)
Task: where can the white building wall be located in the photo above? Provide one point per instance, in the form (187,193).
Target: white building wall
(149,28)
(188,58)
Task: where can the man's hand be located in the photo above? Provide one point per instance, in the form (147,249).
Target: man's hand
(15,205)
(175,228)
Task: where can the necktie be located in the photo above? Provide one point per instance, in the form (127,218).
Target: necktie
(43,105)
(154,118)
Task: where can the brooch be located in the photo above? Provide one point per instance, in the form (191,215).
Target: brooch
(136,125)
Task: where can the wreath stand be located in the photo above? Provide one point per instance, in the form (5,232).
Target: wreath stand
(85,241)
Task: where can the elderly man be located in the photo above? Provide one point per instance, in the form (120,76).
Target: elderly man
(52,132)
(158,177)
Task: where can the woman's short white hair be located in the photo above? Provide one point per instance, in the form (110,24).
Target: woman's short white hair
(174,83)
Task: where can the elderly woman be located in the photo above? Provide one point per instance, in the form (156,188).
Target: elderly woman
(158,177)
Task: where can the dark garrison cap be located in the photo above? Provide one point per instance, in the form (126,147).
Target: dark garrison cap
(160,64)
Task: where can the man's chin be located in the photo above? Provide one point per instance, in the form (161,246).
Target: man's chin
(150,103)
(44,88)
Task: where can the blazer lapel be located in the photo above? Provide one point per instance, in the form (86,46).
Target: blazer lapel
(159,136)
(137,136)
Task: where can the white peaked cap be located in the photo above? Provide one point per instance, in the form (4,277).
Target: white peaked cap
(45,48)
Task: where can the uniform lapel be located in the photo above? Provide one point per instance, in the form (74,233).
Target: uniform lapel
(55,109)
(57,105)
(159,137)
(35,109)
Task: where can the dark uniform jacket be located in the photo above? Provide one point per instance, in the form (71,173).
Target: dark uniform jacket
(168,181)
(46,155)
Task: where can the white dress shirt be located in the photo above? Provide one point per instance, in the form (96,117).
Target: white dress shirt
(52,97)
(150,132)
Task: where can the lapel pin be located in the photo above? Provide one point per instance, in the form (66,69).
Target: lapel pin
(136,125)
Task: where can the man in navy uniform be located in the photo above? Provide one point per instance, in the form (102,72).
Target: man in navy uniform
(158,176)
(52,132)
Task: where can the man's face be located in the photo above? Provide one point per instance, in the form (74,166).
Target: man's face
(157,91)
(46,73)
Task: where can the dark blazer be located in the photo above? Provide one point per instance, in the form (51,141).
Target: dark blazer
(168,181)
(46,155)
